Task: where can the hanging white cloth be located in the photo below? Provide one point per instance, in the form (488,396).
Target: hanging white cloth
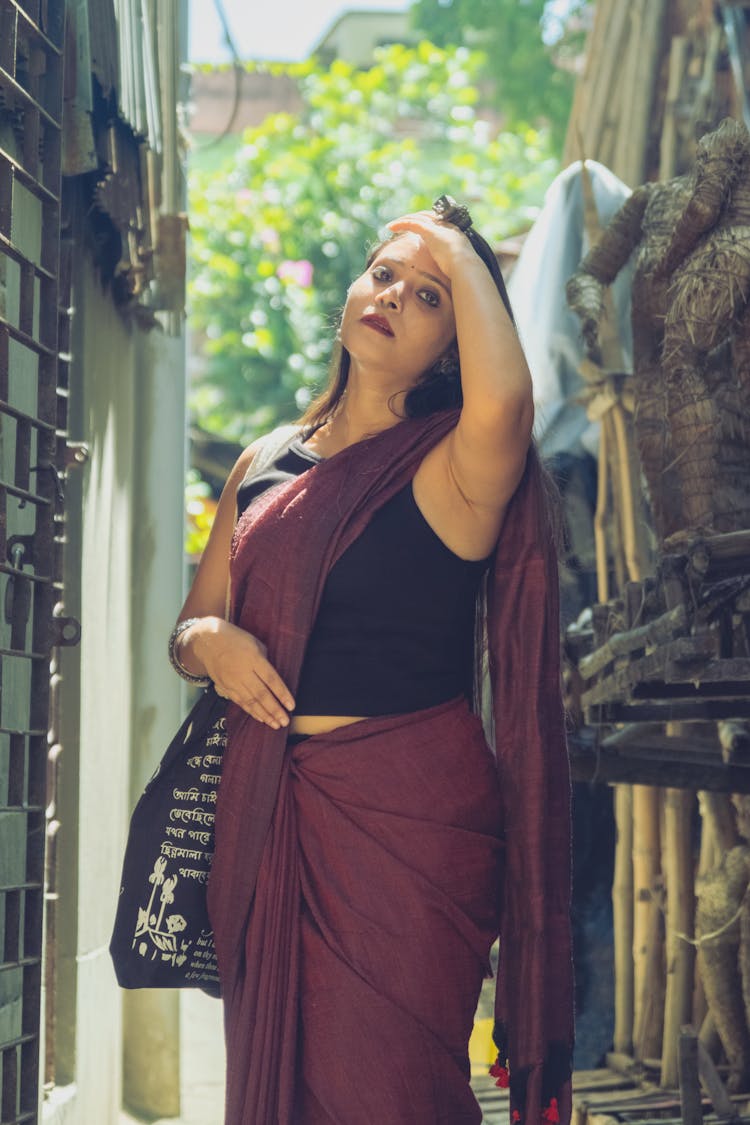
(549,332)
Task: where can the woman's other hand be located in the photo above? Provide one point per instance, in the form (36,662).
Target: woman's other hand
(237,663)
(235,660)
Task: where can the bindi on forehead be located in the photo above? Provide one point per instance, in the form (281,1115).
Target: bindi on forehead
(394,259)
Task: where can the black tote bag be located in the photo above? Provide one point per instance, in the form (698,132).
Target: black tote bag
(162,936)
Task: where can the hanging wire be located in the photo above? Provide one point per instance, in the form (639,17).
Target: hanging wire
(239,74)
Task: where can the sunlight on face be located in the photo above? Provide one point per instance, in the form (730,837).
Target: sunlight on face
(398,317)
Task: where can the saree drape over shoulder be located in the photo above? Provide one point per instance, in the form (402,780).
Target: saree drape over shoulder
(360,877)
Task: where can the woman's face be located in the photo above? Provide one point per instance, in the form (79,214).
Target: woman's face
(398,318)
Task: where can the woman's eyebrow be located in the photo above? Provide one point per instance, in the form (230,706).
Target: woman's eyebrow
(422,273)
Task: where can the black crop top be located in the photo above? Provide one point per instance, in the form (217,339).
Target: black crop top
(395,626)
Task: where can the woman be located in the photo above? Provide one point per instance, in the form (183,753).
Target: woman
(363,828)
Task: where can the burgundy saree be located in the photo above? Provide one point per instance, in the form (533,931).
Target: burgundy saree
(358,876)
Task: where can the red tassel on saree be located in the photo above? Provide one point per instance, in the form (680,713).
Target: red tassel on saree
(357,878)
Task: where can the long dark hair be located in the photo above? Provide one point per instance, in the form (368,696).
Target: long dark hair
(438,388)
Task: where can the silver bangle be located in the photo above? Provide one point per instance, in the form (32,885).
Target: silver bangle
(180,669)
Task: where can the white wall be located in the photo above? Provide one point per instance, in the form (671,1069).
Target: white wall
(121,702)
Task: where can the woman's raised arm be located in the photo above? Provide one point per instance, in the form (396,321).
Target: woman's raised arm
(465,483)
(487,449)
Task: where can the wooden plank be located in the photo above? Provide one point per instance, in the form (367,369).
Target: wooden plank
(629,1101)
(708,1119)
(718,556)
(622,1063)
(701,741)
(608,768)
(729,670)
(663,675)
(670,625)
(669,710)
(590,1081)
(690,1092)
(622,683)
(713,1084)
(692,689)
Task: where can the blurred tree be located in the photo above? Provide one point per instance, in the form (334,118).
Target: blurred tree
(529,48)
(200,509)
(280,232)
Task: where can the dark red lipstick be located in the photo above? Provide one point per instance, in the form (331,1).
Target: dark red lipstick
(379,323)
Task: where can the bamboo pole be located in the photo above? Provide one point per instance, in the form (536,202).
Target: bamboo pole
(622,916)
(575,144)
(678,870)
(709,858)
(600,516)
(650,42)
(649,1028)
(634,559)
(575,148)
(707,85)
(645,908)
(717,811)
(604,76)
(617,97)
(618,549)
(628,72)
(678,55)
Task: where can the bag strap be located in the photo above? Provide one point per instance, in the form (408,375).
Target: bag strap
(267,449)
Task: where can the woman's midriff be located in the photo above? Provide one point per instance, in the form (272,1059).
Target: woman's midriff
(321,724)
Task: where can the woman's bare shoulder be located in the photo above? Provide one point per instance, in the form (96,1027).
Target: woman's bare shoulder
(241,467)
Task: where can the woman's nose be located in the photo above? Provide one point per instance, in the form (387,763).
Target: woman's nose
(391,297)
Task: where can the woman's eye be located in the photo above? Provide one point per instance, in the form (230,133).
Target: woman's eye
(429,297)
(381,273)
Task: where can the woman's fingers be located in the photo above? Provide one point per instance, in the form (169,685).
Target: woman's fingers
(261,706)
(243,674)
(271,716)
(445,242)
(267,702)
(266,697)
(273,681)
(420,221)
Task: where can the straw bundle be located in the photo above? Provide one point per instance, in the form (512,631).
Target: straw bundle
(691,288)
(717,923)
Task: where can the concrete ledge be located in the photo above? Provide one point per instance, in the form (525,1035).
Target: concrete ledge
(59,1105)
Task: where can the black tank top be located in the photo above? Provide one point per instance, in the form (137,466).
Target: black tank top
(395,626)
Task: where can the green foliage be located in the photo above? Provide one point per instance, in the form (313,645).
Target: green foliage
(525,42)
(200,509)
(278,235)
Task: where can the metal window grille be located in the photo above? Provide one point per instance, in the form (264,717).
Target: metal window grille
(31,435)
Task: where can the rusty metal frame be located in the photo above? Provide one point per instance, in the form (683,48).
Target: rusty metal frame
(32,416)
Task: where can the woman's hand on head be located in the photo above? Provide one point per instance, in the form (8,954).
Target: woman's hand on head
(448,245)
(237,663)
